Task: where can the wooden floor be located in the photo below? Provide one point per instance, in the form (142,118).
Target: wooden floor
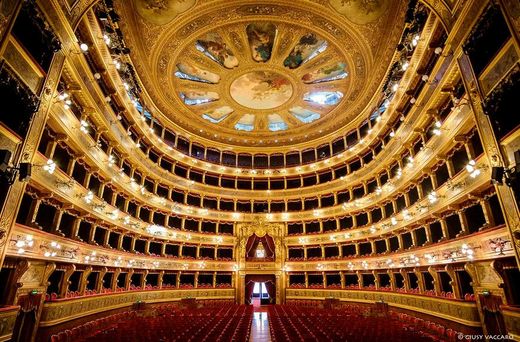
(260,327)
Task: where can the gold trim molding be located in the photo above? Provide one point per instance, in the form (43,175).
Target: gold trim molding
(58,312)
(461,312)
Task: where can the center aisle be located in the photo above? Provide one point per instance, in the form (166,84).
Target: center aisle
(260,326)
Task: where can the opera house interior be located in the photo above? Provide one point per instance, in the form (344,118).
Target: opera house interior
(305,170)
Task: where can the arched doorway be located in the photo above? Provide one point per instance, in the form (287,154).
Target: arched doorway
(265,281)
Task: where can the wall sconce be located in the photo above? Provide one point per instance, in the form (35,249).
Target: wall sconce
(50,249)
(118,261)
(472,169)
(430,258)
(438,51)
(467,251)
(22,243)
(83,126)
(88,197)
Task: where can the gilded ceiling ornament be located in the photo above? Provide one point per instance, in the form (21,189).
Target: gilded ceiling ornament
(361,11)
(160,12)
(222,31)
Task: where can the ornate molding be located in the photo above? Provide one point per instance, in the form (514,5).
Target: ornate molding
(461,312)
(7,320)
(61,311)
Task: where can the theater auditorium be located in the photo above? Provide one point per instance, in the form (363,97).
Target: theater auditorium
(259,170)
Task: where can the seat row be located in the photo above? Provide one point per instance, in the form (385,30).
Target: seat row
(216,320)
(305,321)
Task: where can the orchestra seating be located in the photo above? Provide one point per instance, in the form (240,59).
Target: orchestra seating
(217,321)
(306,321)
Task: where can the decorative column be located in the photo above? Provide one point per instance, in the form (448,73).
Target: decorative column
(400,240)
(428,233)
(64,284)
(376,279)
(56,222)
(178,280)
(106,238)
(75,229)
(391,275)
(143,279)
(488,213)
(360,279)
(113,284)
(454,281)
(463,223)
(492,149)
(444,227)
(406,280)
(92,233)
(160,278)
(163,249)
(99,284)
(436,280)
(147,247)
(83,280)
(30,219)
(120,242)
(132,244)
(128,279)
(420,280)
(324,276)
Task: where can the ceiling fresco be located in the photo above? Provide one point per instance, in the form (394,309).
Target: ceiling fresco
(160,12)
(266,73)
(262,94)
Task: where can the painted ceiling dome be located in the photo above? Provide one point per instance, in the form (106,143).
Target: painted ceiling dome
(273,75)
(262,89)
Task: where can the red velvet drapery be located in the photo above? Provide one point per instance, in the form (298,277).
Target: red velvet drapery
(271,290)
(270,285)
(249,291)
(490,303)
(267,242)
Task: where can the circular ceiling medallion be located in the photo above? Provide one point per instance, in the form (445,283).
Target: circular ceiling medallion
(261,90)
(261,87)
(265,73)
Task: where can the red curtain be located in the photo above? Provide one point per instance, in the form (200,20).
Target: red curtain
(249,291)
(271,290)
(270,285)
(267,242)
(490,303)
(29,302)
(250,244)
